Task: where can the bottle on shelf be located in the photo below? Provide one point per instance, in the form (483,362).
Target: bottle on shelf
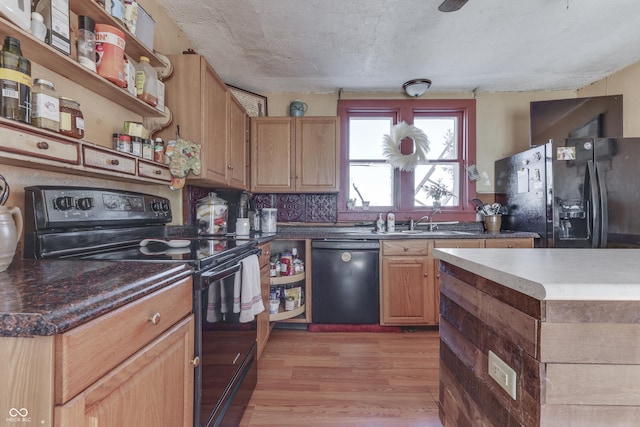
(147,82)
(15,80)
(45,105)
(86,42)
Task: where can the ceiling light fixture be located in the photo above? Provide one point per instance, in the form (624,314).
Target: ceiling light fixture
(416,87)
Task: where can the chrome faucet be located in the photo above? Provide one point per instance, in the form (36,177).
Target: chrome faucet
(413,224)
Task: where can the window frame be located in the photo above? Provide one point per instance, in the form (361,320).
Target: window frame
(406,110)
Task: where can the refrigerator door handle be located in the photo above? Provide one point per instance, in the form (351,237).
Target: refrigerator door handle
(604,208)
(595,204)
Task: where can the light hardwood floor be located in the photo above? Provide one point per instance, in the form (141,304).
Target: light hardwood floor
(322,379)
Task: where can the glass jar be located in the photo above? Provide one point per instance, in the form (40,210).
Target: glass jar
(71,118)
(136,146)
(122,142)
(211,215)
(147,149)
(86,42)
(45,105)
(15,80)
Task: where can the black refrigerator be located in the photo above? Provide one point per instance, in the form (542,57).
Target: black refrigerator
(575,193)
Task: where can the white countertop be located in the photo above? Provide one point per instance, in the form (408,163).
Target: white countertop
(556,274)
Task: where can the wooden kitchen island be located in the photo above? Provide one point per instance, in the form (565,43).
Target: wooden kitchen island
(567,321)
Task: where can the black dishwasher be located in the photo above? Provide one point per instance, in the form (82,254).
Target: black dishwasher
(345,281)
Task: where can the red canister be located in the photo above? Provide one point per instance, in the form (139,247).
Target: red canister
(110,43)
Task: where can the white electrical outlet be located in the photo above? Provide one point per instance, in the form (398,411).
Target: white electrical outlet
(503,374)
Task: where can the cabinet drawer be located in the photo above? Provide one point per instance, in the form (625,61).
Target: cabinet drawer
(405,247)
(87,352)
(34,145)
(509,243)
(153,170)
(108,160)
(458,243)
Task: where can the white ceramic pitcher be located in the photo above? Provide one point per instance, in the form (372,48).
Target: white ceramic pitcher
(10,232)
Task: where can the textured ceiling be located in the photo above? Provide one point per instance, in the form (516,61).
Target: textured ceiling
(320,46)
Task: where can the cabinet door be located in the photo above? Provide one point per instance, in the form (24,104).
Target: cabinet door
(214,121)
(317,154)
(406,295)
(152,388)
(263,324)
(238,144)
(198,100)
(272,154)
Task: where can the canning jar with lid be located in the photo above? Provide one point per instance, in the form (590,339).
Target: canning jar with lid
(211,215)
(45,105)
(71,118)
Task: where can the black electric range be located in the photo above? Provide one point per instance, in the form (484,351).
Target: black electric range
(107,224)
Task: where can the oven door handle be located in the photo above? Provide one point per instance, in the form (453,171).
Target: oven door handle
(215,275)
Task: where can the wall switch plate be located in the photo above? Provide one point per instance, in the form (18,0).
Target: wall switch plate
(503,374)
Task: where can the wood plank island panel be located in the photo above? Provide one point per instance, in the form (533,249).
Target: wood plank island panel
(577,362)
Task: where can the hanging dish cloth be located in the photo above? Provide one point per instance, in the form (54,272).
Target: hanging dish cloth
(185,156)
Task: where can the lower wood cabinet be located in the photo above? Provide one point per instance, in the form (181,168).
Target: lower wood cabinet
(131,367)
(406,293)
(410,277)
(152,388)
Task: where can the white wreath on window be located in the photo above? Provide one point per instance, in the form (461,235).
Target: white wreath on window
(391,146)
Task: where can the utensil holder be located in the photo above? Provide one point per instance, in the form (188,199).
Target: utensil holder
(492,223)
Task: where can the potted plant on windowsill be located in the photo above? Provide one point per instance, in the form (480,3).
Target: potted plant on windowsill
(437,191)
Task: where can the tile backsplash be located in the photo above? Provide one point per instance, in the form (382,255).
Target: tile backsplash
(313,208)
(301,207)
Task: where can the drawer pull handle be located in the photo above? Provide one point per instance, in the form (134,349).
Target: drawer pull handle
(196,361)
(236,359)
(155,319)
(229,166)
(406,249)
(115,162)
(158,172)
(42,145)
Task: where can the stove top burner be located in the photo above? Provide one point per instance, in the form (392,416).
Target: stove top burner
(200,253)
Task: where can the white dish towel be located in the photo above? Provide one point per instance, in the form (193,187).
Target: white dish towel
(250,295)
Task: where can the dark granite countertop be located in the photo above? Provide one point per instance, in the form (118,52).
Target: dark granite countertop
(47,297)
(462,230)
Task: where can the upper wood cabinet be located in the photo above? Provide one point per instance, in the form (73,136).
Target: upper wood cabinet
(207,114)
(295,154)
(238,156)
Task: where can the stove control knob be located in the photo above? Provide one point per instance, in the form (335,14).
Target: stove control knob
(85,203)
(156,206)
(166,207)
(63,203)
